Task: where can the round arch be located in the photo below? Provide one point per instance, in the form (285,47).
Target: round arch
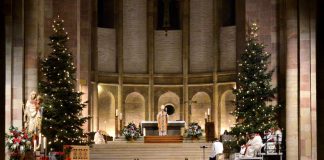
(200,105)
(134,108)
(106,111)
(227,107)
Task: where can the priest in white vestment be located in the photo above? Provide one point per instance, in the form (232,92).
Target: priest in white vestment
(98,138)
(254,145)
(217,148)
(162,118)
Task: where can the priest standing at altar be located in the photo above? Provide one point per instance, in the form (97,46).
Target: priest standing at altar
(162,118)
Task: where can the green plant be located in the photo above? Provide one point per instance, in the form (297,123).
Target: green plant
(194,130)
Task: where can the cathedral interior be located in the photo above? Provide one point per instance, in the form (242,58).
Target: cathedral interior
(132,56)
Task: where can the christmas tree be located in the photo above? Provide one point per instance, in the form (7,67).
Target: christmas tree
(62,106)
(254,92)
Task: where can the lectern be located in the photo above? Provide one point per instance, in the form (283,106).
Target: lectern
(210,131)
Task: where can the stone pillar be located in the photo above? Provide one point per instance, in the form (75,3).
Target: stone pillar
(307,81)
(93,95)
(215,109)
(31,46)
(14,63)
(94,105)
(185,7)
(84,51)
(151,12)
(292,108)
(119,43)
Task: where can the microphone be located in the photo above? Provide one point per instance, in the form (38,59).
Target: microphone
(203,146)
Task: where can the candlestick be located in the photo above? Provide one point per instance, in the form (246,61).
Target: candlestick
(44,141)
(116,112)
(208,112)
(39,138)
(34,145)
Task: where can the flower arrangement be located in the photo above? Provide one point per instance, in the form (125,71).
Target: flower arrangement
(131,132)
(18,142)
(194,130)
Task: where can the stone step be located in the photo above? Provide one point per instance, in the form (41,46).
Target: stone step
(149,151)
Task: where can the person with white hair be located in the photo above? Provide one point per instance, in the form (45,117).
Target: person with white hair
(162,118)
(99,138)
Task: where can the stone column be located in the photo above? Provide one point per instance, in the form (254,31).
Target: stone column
(215,109)
(119,43)
(307,81)
(93,95)
(185,7)
(84,51)
(31,46)
(151,11)
(14,63)
(292,108)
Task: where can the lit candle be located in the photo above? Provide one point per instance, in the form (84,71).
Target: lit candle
(116,112)
(208,112)
(205,115)
(44,141)
(39,140)
(35,145)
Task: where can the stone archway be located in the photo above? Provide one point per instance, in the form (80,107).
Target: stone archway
(200,105)
(106,111)
(134,108)
(227,107)
(172,99)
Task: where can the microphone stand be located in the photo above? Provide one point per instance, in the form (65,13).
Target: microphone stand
(203,147)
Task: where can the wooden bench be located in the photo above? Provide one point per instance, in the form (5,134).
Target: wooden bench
(163,139)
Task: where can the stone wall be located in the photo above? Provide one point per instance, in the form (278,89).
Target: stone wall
(227,58)
(107,58)
(134,36)
(201,36)
(168,52)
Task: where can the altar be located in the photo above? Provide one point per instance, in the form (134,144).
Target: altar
(150,128)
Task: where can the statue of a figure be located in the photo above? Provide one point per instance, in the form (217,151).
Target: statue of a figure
(30,112)
(162,118)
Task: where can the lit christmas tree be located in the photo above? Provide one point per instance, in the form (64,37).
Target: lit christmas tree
(62,106)
(254,92)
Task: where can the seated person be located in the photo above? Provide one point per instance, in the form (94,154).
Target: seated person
(253,146)
(217,149)
(98,138)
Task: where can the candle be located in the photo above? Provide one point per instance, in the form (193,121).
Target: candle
(39,140)
(44,141)
(116,112)
(34,145)
(205,115)
(208,112)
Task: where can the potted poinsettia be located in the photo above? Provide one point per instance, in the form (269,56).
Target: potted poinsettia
(131,132)
(18,143)
(194,130)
